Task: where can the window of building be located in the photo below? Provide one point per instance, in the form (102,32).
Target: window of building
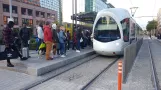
(30,22)
(43,14)
(37,13)
(14,9)
(15,20)
(29,12)
(37,22)
(5,19)
(5,8)
(48,15)
(23,11)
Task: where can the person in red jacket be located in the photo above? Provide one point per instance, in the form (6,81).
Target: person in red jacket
(48,40)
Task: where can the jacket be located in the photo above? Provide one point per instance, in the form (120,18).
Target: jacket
(55,36)
(40,32)
(8,37)
(47,34)
(61,37)
(24,34)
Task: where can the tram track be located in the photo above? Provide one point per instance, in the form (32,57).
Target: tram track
(85,87)
(80,77)
(154,77)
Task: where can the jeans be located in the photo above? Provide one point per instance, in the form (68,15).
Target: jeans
(68,44)
(38,44)
(62,48)
(78,45)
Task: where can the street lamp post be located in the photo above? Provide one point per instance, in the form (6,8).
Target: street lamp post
(10,2)
(76,15)
(72,17)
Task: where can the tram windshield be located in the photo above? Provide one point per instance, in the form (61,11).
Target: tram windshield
(106,30)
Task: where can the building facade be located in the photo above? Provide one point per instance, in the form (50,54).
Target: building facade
(95,5)
(159,21)
(23,11)
(31,2)
(53,5)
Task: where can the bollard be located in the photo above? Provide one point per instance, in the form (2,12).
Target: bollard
(120,75)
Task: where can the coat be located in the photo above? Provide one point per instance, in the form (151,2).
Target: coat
(47,34)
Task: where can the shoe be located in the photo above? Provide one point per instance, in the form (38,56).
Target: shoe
(23,58)
(62,56)
(49,58)
(77,51)
(55,56)
(10,65)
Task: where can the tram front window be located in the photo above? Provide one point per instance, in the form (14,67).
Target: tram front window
(106,30)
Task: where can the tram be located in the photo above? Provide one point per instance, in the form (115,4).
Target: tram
(113,30)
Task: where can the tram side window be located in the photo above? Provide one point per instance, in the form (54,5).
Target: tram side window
(125,26)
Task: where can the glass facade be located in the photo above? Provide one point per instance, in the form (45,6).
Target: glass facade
(95,5)
(53,5)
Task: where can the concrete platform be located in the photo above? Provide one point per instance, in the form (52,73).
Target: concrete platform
(35,66)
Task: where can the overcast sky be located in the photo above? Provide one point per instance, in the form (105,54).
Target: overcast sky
(146,8)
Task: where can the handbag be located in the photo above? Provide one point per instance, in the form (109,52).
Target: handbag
(10,54)
(81,40)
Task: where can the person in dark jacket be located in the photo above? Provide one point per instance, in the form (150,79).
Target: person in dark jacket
(68,40)
(8,39)
(24,35)
(55,40)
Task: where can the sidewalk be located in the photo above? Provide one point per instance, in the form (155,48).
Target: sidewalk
(23,74)
(140,76)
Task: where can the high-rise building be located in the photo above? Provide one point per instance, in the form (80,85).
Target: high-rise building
(24,12)
(32,2)
(95,5)
(53,5)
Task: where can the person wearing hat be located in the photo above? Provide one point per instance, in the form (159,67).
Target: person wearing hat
(8,39)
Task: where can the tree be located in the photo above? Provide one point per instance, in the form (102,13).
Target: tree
(151,25)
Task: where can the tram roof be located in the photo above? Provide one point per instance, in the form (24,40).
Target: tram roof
(119,12)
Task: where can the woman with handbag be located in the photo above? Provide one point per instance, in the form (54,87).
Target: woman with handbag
(8,39)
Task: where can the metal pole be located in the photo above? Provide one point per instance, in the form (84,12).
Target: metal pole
(73,19)
(76,14)
(10,2)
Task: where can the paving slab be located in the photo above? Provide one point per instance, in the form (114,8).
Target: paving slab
(18,78)
(39,66)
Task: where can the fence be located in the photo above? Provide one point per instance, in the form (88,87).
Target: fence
(130,53)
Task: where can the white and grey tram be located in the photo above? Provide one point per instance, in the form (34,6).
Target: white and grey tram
(113,30)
